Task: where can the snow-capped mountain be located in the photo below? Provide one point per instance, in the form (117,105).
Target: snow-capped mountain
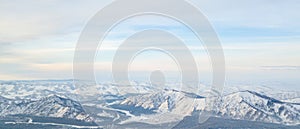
(51,106)
(244,105)
(36,89)
(165,101)
(114,103)
(249,105)
(166,106)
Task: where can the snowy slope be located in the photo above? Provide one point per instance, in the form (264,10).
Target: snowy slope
(245,105)
(166,106)
(249,105)
(165,101)
(51,106)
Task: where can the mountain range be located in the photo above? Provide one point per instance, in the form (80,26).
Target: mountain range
(152,108)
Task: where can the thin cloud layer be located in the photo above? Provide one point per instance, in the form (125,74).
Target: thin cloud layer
(280,67)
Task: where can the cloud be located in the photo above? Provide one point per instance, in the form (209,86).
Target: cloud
(254,13)
(34,41)
(27,20)
(4,48)
(284,67)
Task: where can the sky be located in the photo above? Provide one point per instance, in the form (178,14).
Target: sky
(260,39)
